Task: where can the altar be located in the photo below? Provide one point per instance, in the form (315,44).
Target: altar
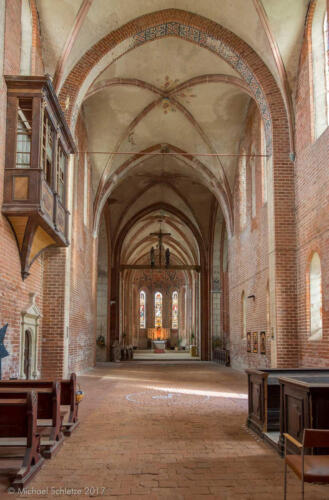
(159,338)
(159,346)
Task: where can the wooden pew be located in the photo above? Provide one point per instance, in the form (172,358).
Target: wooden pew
(304,405)
(68,398)
(49,418)
(18,429)
(264,398)
(68,389)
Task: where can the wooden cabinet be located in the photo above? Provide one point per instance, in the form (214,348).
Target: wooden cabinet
(38,143)
(265,399)
(304,405)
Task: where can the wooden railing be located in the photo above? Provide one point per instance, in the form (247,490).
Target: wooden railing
(221,356)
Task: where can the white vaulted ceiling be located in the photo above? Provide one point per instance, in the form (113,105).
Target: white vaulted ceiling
(170,95)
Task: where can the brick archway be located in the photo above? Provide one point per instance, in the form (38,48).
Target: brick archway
(210,35)
(204,281)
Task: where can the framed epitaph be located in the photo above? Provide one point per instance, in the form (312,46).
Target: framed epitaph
(263,342)
(255,342)
(248,341)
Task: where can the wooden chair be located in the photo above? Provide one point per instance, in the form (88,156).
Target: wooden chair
(309,468)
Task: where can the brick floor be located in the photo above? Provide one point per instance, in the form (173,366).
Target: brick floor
(156,431)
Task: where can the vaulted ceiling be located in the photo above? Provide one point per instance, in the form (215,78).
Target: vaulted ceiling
(169,95)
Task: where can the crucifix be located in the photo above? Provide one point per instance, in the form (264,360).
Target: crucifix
(160,235)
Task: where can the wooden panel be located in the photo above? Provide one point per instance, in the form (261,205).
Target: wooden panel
(47,200)
(20,188)
(11,132)
(60,218)
(295,414)
(257,401)
(19,225)
(41,240)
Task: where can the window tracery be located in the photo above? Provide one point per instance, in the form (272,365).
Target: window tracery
(142,303)
(158,310)
(174,322)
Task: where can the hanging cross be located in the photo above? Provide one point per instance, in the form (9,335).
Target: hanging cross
(160,235)
(3,350)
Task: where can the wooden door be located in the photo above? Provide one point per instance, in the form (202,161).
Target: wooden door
(27,354)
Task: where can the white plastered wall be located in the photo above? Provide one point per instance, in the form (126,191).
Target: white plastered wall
(319,70)
(26,47)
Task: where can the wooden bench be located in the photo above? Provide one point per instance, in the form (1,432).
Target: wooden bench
(18,430)
(68,389)
(49,417)
(264,398)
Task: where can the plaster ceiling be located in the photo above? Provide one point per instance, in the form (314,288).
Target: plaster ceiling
(179,239)
(286,19)
(161,181)
(161,94)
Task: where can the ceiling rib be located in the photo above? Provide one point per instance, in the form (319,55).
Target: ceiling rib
(78,22)
(280,67)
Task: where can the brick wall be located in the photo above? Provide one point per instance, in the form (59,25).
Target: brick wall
(14,293)
(82,323)
(52,332)
(37,67)
(102,289)
(312,208)
(247,257)
(50,276)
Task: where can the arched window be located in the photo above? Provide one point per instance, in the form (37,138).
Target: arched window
(268,313)
(253,185)
(320,67)
(315,298)
(174,311)
(243,316)
(326,59)
(243,191)
(158,309)
(264,162)
(142,303)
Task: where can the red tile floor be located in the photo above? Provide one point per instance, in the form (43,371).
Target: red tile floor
(166,430)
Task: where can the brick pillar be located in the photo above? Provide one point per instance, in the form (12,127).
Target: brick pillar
(53,330)
(282,259)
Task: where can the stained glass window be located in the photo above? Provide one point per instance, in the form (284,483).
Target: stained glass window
(158,309)
(174,318)
(142,310)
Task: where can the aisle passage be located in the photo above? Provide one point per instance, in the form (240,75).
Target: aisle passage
(170,430)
